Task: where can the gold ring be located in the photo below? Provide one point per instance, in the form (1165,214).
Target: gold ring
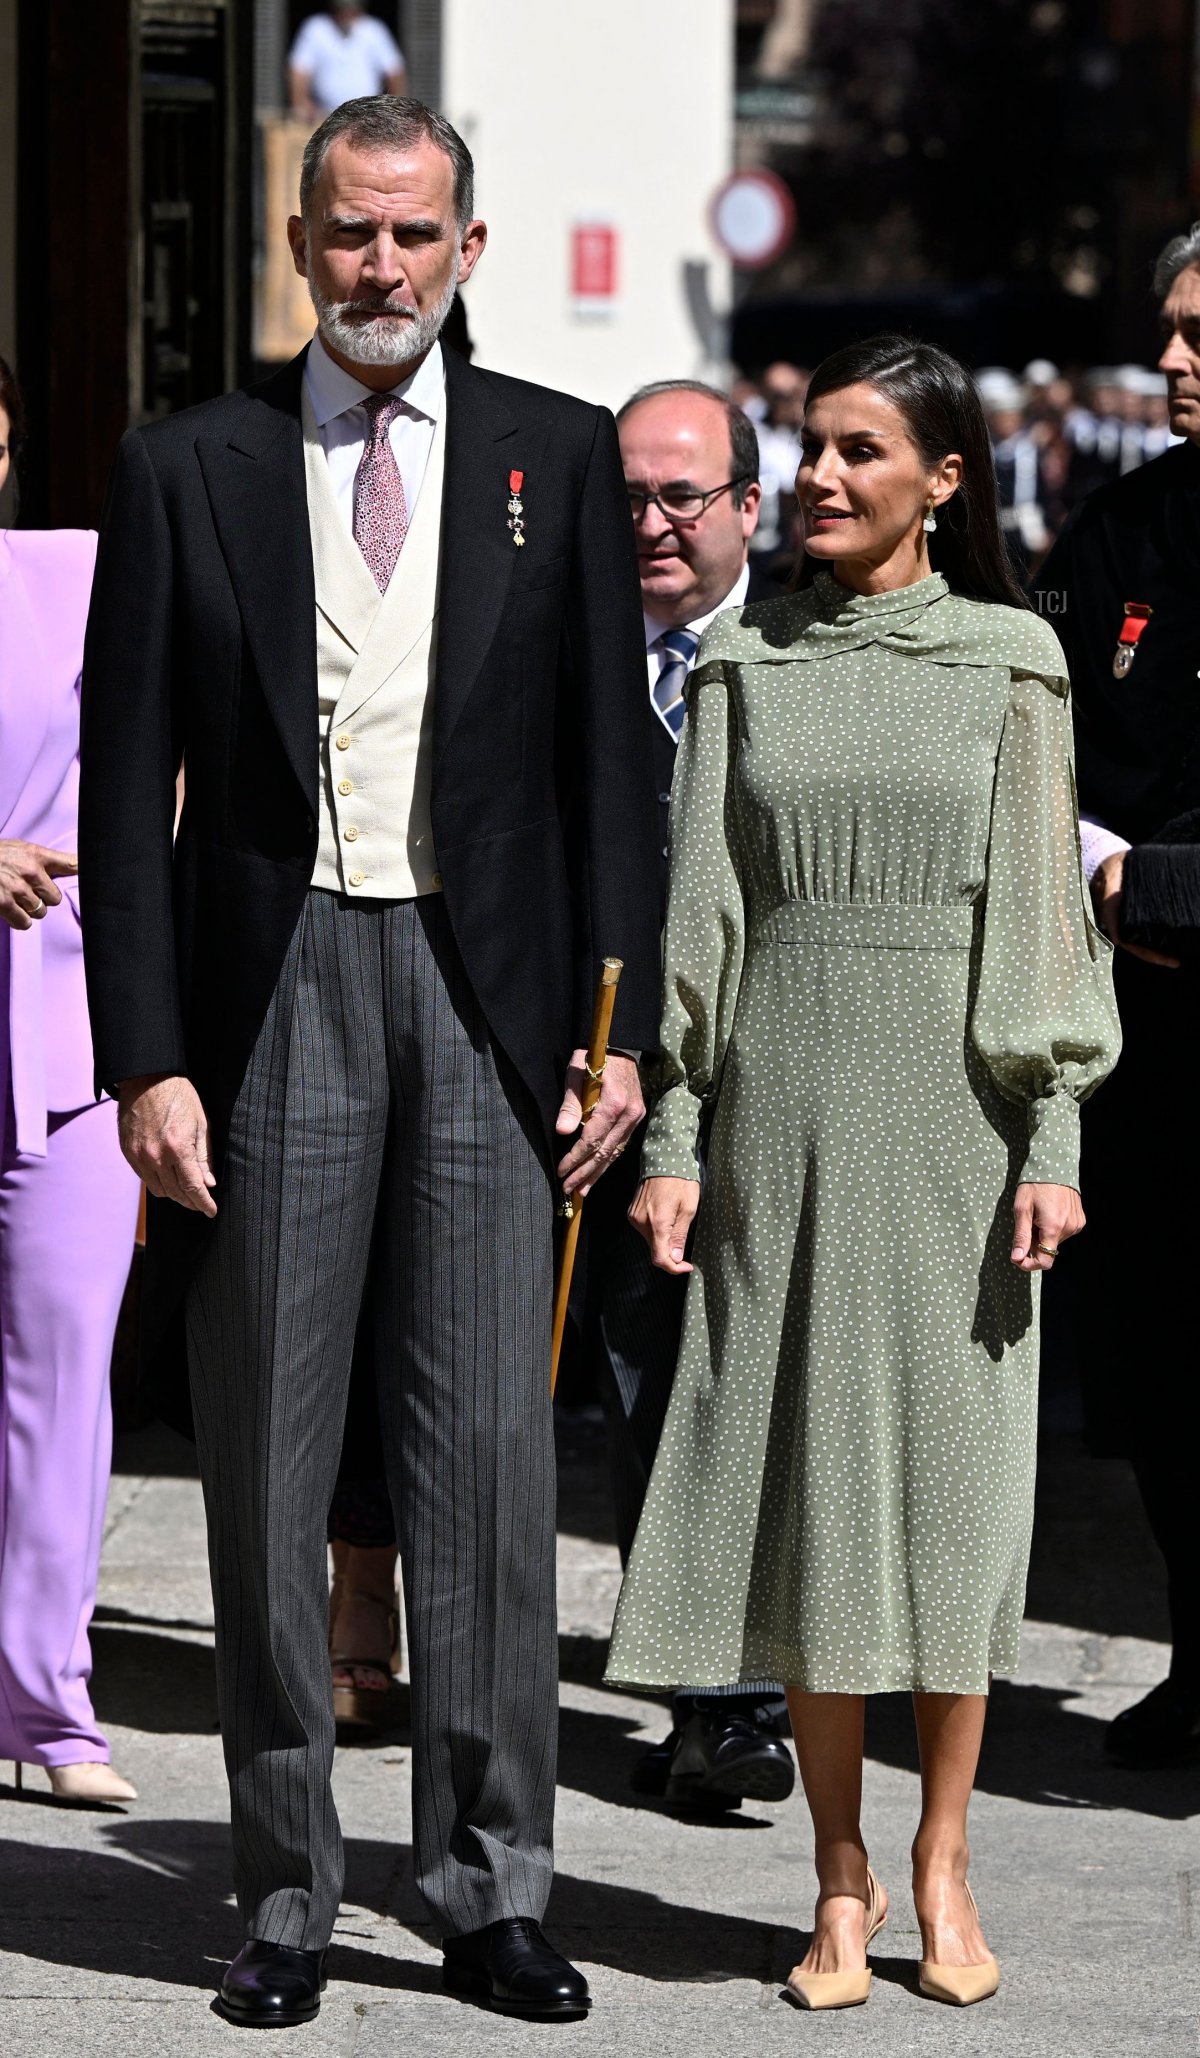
(1048,1250)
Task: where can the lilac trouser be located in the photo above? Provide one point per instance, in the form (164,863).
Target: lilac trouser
(67,1224)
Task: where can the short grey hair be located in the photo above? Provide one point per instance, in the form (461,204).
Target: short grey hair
(743,437)
(1180,254)
(389,121)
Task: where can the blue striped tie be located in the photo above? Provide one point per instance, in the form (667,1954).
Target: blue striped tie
(679,647)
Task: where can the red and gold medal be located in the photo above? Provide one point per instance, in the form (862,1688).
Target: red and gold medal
(1137,614)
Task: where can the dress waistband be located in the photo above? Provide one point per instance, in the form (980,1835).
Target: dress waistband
(852,926)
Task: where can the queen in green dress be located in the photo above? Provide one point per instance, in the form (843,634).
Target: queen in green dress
(884,982)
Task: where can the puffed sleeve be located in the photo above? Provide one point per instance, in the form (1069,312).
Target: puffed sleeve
(1045,1019)
(705,929)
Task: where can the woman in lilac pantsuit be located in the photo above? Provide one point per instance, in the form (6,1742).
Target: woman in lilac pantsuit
(68,1201)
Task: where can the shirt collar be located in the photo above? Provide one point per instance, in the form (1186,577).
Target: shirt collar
(333,391)
(734,598)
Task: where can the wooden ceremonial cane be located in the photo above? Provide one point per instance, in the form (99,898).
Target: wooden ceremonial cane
(572,1207)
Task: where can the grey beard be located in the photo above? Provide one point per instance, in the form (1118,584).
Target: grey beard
(391,339)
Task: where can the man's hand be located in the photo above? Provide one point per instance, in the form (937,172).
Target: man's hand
(164,1135)
(609,1126)
(663,1212)
(27,875)
(1108,882)
(1043,1217)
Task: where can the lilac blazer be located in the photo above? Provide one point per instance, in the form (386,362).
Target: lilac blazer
(45,1037)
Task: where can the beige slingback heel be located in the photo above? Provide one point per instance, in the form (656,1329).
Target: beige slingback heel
(841,1989)
(960,1985)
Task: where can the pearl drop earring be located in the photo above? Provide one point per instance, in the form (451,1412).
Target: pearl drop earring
(930,522)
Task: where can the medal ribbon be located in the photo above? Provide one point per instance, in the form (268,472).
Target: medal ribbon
(1137,614)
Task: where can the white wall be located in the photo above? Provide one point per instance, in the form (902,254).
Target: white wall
(620,110)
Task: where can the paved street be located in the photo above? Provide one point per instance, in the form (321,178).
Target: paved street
(115,1923)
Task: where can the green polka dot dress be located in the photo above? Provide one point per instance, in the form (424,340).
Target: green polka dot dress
(883,978)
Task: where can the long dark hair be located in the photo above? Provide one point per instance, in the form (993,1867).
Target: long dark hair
(14,408)
(936,396)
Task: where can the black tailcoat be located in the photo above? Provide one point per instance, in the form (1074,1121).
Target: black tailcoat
(201,650)
(1138,766)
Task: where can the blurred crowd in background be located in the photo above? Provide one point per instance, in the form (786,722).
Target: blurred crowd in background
(1057,435)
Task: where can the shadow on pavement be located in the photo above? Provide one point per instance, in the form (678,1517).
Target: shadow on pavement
(166,1685)
(162,1685)
(153,1452)
(1036,1750)
(156,1907)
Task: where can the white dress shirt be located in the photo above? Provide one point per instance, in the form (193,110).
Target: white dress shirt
(657,659)
(337,403)
(1097,843)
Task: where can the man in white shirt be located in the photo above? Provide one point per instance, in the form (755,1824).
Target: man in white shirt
(340,56)
(784,387)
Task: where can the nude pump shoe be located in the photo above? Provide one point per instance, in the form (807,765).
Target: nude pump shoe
(960,1985)
(841,1989)
(89,1781)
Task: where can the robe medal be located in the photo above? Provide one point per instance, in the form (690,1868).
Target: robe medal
(1137,614)
(516,508)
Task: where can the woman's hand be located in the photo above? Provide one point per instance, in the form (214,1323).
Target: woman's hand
(27,875)
(1108,885)
(663,1211)
(1043,1217)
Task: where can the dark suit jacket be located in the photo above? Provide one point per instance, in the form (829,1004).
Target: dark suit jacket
(1137,738)
(201,648)
(1137,742)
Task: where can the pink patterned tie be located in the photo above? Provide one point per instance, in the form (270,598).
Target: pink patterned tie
(380,513)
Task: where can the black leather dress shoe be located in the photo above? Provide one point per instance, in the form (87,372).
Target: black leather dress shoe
(269,1986)
(510,1968)
(1164,1729)
(652,1770)
(721,1760)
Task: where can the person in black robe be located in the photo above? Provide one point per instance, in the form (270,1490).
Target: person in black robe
(1122,589)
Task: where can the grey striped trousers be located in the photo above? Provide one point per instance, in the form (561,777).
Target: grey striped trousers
(377,1119)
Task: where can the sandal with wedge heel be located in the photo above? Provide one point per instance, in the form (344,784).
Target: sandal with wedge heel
(358,1707)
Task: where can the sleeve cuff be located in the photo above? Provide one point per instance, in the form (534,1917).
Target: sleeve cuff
(670,1147)
(1096,843)
(1053,1155)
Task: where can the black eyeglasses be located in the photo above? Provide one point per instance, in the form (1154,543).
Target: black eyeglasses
(679,503)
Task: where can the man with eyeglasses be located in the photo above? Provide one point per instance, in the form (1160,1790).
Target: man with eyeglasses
(690,458)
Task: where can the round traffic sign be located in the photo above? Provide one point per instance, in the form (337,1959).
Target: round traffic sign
(753,218)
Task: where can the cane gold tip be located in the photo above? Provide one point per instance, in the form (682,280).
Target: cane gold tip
(613,968)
